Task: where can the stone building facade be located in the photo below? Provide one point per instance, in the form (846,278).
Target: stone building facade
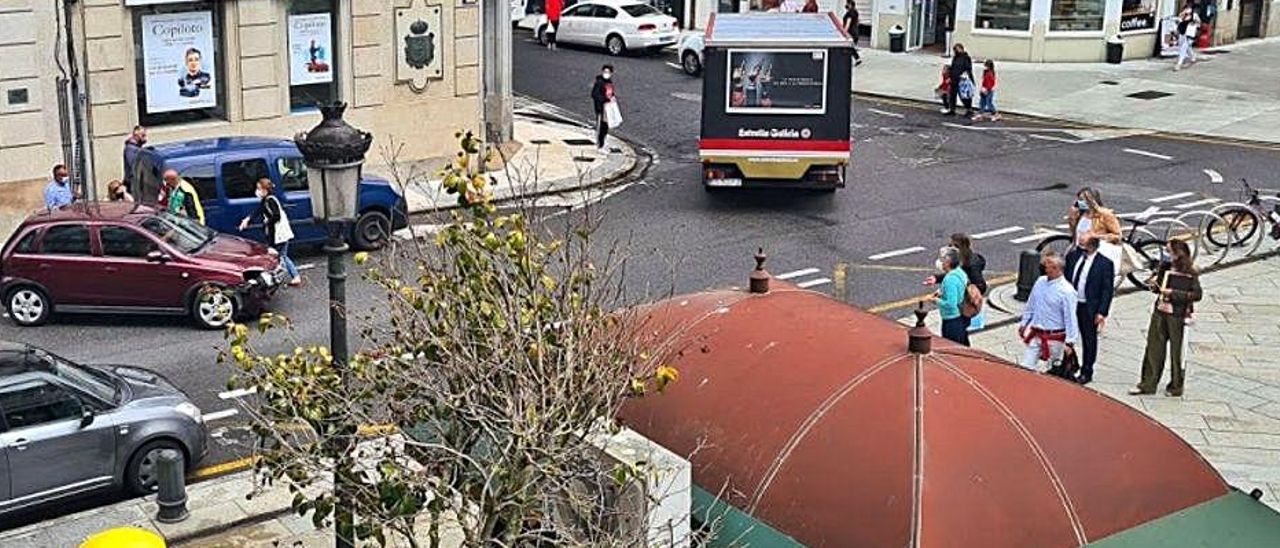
(257,68)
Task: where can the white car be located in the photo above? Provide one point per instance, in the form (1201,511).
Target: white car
(617,25)
(689,51)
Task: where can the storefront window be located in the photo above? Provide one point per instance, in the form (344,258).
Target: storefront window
(312,54)
(1138,15)
(1076,15)
(178,62)
(1004,14)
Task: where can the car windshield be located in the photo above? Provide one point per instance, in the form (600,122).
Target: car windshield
(180,232)
(640,10)
(97,383)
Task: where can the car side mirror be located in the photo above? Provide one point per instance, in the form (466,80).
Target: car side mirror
(158,257)
(86,417)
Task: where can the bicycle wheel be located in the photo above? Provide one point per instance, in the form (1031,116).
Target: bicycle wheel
(1060,243)
(1146,259)
(1238,226)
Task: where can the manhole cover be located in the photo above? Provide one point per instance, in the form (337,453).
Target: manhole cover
(1149,95)
(1109,83)
(579,142)
(540,142)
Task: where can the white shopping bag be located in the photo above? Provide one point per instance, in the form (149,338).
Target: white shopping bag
(1117,256)
(612,114)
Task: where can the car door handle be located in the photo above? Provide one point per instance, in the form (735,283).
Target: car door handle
(20,444)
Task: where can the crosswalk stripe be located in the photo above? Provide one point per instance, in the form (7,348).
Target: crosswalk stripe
(813,283)
(1037,236)
(1172,197)
(797,273)
(996,232)
(1148,154)
(895,253)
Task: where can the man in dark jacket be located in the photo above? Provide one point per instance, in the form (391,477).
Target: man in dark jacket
(1093,276)
(961,65)
(602,94)
(132,146)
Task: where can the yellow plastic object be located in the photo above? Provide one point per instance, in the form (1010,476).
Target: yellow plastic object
(125,537)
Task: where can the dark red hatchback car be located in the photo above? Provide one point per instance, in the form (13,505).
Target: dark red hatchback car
(123,257)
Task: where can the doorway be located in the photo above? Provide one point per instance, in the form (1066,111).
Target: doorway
(922,23)
(1250,19)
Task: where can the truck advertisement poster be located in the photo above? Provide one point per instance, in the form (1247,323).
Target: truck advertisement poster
(776,81)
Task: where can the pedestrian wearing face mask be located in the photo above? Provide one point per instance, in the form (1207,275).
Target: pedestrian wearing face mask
(1177,284)
(132,146)
(1088,218)
(955,327)
(275,223)
(602,95)
(58,193)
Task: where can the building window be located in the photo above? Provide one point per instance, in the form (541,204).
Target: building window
(1076,15)
(1004,14)
(312,44)
(178,62)
(1138,15)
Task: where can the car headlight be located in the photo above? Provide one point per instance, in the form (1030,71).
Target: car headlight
(189,409)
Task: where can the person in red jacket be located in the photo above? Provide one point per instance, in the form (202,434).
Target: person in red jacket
(554,7)
(987,93)
(943,91)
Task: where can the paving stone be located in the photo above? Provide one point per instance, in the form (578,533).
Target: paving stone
(1240,455)
(1192,436)
(1161,404)
(1240,439)
(206,518)
(1226,424)
(1185,420)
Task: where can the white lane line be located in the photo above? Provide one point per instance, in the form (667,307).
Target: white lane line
(797,273)
(1146,213)
(674,65)
(895,253)
(238,393)
(1053,138)
(1063,226)
(306,266)
(886,113)
(1214,176)
(1198,203)
(1171,197)
(219,415)
(996,232)
(1037,236)
(1148,154)
(813,283)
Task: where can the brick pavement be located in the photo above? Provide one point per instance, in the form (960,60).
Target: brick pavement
(1230,410)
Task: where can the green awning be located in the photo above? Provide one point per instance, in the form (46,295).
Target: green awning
(729,526)
(1235,520)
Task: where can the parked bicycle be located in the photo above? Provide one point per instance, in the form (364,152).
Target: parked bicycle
(1241,221)
(1141,250)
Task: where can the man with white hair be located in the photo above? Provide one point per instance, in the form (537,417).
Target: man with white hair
(1049,326)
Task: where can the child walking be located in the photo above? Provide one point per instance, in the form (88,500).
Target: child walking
(987,95)
(943,91)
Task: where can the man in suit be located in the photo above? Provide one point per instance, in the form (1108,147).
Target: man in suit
(1093,276)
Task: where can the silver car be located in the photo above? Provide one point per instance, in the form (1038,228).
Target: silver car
(68,429)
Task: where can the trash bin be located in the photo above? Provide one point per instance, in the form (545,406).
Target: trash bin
(1115,50)
(897,39)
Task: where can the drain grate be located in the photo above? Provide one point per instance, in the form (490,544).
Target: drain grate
(1149,95)
(1109,83)
(579,142)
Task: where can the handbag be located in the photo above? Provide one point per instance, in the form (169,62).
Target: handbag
(612,114)
(1067,368)
(971,306)
(283,229)
(966,88)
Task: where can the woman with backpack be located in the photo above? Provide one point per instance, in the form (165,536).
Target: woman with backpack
(275,222)
(974,266)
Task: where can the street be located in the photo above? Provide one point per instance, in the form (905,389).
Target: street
(917,177)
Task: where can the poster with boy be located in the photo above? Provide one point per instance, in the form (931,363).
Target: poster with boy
(178,57)
(310,39)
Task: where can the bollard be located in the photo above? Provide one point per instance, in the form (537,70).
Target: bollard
(1028,271)
(172,495)
(841,275)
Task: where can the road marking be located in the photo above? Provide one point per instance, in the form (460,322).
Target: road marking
(797,273)
(306,266)
(674,65)
(1052,138)
(895,253)
(1198,203)
(238,393)
(228,467)
(1148,154)
(1171,197)
(1214,176)
(1063,226)
(1148,212)
(1040,235)
(691,97)
(996,232)
(219,415)
(813,283)
(886,113)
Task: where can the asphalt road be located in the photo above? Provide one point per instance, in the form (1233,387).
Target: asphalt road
(917,177)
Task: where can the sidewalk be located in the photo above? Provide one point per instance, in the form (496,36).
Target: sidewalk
(1233,92)
(1230,410)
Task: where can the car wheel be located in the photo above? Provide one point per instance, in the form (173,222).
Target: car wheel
(213,308)
(140,476)
(371,231)
(28,306)
(615,45)
(692,66)
(541,35)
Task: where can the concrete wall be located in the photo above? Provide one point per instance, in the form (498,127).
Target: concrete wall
(255,77)
(1271,14)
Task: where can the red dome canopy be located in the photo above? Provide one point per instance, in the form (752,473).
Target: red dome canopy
(810,415)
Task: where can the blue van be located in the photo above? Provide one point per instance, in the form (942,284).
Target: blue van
(225,172)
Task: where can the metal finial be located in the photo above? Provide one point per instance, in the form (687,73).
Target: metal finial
(759,277)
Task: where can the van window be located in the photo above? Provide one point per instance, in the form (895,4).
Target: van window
(240,178)
(66,240)
(204,178)
(293,174)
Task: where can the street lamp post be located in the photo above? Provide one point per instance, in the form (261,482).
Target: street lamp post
(335,152)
